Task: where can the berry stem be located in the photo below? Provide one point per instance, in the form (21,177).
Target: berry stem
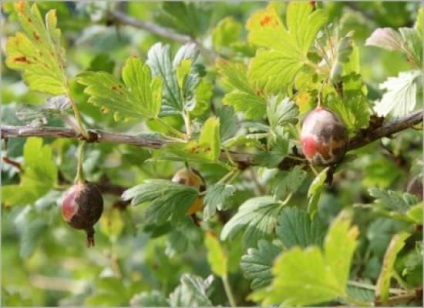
(90,237)
(79,179)
(77,115)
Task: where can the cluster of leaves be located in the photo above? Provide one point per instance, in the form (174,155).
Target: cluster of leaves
(282,235)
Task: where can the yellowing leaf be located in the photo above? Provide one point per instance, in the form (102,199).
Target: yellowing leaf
(266,29)
(383,283)
(226,33)
(38,51)
(210,138)
(216,256)
(40,175)
(286,47)
(313,276)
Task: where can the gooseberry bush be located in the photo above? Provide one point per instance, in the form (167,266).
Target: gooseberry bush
(215,154)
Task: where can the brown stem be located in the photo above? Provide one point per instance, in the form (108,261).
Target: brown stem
(145,25)
(13,163)
(386,130)
(242,159)
(122,18)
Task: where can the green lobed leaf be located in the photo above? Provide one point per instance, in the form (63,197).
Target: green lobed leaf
(301,278)
(257,263)
(265,28)
(242,95)
(227,31)
(228,120)
(303,24)
(339,246)
(280,149)
(252,106)
(383,283)
(312,276)
(295,228)
(190,293)
(314,191)
(281,112)
(234,76)
(401,95)
(216,198)
(180,78)
(275,68)
(143,90)
(149,299)
(257,216)
(217,259)
(38,51)
(202,96)
(210,138)
(415,213)
(159,61)
(184,235)
(287,182)
(140,94)
(354,108)
(392,200)
(168,200)
(39,176)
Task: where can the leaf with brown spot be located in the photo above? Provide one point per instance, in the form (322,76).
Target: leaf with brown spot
(139,95)
(37,50)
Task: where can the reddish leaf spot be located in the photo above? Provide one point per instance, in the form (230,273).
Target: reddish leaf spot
(29,20)
(36,35)
(114,88)
(21,59)
(266,20)
(313,4)
(21,6)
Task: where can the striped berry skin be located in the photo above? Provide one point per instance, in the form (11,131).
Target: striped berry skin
(324,137)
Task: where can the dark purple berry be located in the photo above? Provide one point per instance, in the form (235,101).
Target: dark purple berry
(82,207)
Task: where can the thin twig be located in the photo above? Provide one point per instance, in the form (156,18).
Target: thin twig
(242,159)
(167,33)
(13,163)
(158,30)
